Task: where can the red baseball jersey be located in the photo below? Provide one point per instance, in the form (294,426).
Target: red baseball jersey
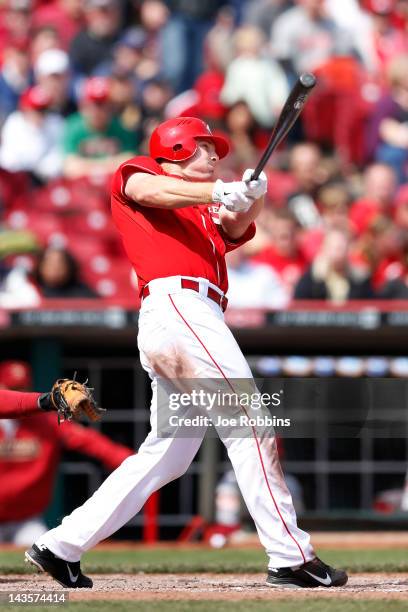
(170,242)
(30,451)
(15,404)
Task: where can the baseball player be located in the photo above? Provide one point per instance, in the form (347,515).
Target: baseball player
(31,444)
(177,222)
(16,404)
(69,398)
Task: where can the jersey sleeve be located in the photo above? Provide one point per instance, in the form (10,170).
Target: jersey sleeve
(75,437)
(129,167)
(16,404)
(230,244)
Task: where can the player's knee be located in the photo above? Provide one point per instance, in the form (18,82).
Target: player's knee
(177,469)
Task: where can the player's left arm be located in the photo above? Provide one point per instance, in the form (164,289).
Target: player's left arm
(235,224)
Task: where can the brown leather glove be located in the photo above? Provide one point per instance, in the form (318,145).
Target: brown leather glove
(71,399)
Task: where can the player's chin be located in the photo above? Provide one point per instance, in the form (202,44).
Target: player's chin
(203,176)
(210,172)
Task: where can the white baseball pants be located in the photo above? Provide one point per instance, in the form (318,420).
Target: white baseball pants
(182,335)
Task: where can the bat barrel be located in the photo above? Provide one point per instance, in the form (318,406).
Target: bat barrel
(290,112)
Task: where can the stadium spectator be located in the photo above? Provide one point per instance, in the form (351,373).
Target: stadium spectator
(254,285)
(152,16)
(95,142)
(30,452)
(379,184)
(306,166)
(124,105)
(263,13)
(333,202)
(303,37)
(15,23)
(94,43)
(43,39)
(282,253)
(155,95)
(16,291)
(14,78)
(242,129)
(387,137)
(401,208)
(183,38)
(383,41)
(51,71)
(127,54)
(330,277)
(218,49)
(31,137)
(65,16)
(396,289)
(57,276)
(253,78)
(380,251)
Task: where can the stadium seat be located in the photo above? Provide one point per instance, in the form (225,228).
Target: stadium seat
(111,277)
(46,226)
(12,185)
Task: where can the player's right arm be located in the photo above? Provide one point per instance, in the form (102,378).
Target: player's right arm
(155,191)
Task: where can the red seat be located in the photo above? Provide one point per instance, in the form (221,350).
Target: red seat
(85,250)
(95,223)
(47,227)
(111,277)
(12,185)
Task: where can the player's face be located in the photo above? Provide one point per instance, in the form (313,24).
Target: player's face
(202,165)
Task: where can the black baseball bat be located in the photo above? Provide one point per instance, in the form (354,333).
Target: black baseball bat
(289,113)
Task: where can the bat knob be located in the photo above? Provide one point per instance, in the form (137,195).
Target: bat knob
(308,80)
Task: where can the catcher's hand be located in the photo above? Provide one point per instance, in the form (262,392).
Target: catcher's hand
(71,399)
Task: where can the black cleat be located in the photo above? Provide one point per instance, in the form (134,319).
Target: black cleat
(67,573)
(310,575)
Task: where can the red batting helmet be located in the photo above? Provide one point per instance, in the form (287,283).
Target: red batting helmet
(175,139)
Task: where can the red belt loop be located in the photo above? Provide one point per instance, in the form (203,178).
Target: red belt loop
(187,283)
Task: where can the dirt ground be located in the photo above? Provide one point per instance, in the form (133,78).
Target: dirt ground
(209,586)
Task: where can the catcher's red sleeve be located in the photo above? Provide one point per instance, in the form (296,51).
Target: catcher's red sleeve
(76,437)
(16,404)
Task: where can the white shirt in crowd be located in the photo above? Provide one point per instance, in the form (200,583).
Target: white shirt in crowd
(260,82)
(27,146)
(255,286)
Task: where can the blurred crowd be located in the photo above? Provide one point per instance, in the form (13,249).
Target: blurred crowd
(84,82)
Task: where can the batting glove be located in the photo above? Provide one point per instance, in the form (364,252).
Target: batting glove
(234,196)
(258,188)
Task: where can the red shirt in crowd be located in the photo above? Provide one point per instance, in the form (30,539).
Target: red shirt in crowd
(170,242)
(30,451)
(289,268)
(362,213)
(52,14)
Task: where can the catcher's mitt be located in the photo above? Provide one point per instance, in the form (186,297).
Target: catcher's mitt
(71,399)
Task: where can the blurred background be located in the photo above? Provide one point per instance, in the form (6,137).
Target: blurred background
(318,292)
